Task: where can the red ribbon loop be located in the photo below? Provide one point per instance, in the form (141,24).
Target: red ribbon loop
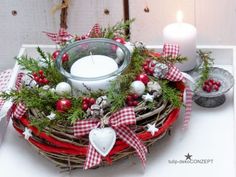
(174,74)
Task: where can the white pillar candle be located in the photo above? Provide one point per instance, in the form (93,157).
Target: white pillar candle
(184,35)
(90,67)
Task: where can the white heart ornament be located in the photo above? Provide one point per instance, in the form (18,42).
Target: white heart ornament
(102,139)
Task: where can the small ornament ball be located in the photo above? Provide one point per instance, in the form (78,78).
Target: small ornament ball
(137,87)
(143,78)
(65,56)
(55,55)
(63,88)
(63,105)
(130,47)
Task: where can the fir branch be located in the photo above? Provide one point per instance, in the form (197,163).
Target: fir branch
(28,63)
(118,30)
(170,59)
(205,69)
(170,93)
(40,124)
(118,91)
(41,53)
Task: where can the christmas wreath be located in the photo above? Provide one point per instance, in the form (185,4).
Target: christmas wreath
(89,128)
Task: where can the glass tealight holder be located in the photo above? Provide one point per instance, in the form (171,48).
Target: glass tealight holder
(93,63)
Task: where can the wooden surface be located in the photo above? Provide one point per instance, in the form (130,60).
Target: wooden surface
(214,19)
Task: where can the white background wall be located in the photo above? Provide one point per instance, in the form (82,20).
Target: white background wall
(214,19)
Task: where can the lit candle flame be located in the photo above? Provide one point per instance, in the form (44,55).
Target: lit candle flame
(179,16)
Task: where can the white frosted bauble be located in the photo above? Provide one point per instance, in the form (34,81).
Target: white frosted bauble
(130,47)
(137,87)
(63,88)
(120,54)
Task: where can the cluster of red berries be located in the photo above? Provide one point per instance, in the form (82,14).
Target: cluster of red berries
(65,56)
(87,103)
(132,100)
(40,78)
(211,85)
(148,67)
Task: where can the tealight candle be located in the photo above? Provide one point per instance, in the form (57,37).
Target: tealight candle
(184,35)
(93,66)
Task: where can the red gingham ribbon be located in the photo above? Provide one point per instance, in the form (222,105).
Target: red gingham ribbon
(63,36)
(120,122)
(170,50)
(60,37)
(95,31)
(20,108)
(174,74)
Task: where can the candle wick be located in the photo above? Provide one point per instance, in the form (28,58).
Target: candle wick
(91,54)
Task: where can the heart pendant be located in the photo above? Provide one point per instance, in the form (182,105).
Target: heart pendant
(102,139)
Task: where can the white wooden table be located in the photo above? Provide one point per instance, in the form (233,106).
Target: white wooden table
(210,140)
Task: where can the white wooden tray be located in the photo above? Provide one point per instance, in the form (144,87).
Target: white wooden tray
(210,140)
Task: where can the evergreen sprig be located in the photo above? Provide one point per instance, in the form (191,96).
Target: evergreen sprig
(118,30)
(169,93)
(205,69)
(28,63)
(170,59)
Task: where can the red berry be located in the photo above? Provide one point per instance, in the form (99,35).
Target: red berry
(92,101)
(130,103)
(40,80)
(40,72)
(145,68)
(218,83)
(84,106)
(151,70)
(148,60)
(135,103)
(45,81)
(143,78)
(55,54)
(206,82)
(210,84)
(65,57)
(153,64)
(36,78)
(129,98)
(35,74)
(135,96)
(211,81)
(215,87)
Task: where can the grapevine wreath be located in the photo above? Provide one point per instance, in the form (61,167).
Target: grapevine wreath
(86,129)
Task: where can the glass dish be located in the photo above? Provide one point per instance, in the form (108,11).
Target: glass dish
(105,48)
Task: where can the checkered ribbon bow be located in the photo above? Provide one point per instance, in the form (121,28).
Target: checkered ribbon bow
(20,108)
(120,122)
(63,36)
(174,74)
